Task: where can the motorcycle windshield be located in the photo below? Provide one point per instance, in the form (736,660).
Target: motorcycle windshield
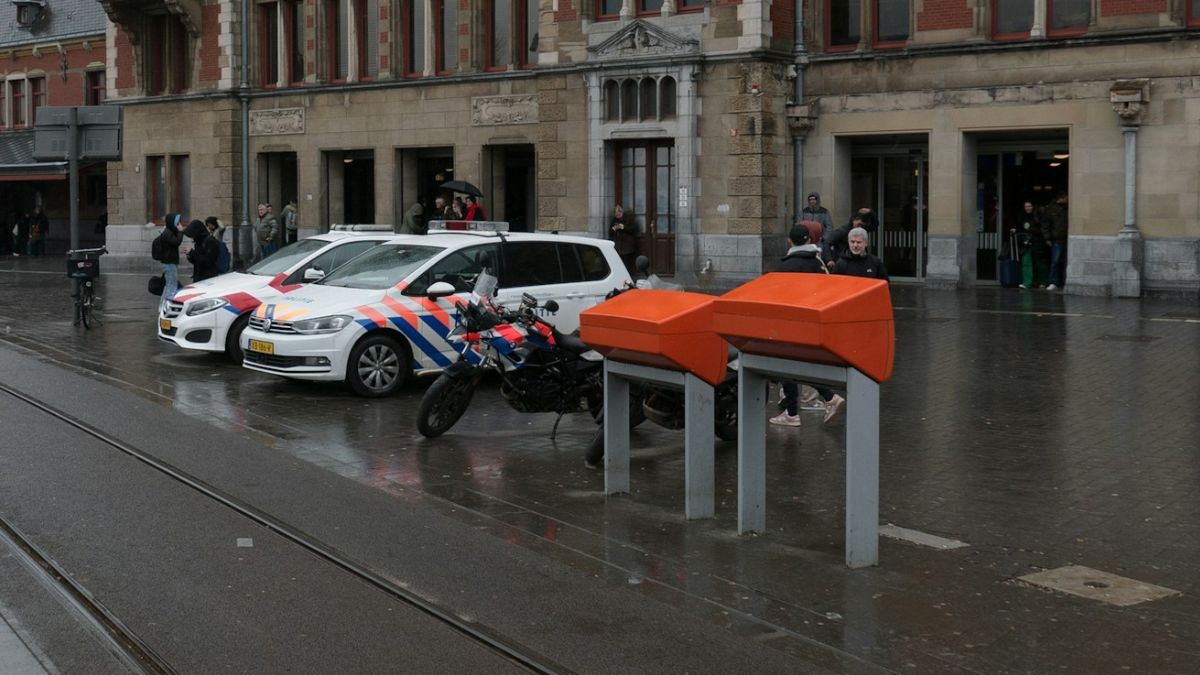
(485,285)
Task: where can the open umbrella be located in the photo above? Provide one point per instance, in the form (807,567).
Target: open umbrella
(463,187)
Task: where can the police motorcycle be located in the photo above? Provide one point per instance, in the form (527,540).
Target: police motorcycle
(665,405)
(540,368)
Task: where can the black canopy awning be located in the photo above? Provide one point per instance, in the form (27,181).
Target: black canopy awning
(17,162)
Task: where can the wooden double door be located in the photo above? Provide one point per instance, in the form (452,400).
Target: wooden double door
(645,179)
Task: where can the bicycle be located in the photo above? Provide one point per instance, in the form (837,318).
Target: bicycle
(83,266)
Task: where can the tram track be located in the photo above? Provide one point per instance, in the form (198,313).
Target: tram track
(133,652)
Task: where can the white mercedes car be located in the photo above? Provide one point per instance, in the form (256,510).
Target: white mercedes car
(371,322)
(210,315)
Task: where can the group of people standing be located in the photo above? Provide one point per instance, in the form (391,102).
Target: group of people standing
(815,246)
(208,253)
(1040,242)
(26,234)
(416,220)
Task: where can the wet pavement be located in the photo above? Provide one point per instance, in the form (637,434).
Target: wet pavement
(1043,430)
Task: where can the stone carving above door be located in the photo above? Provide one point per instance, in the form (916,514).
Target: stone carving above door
(642,38)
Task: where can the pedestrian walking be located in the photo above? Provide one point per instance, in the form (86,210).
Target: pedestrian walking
(1031,247)
(414,219)
(802,257)
(458,209)
(623,231)
(814,211)
(39,228)
(266,229)
(22,225)
(1054,230)
(856,261)
(165,249)
(836,241)
(291,222)
(204,253)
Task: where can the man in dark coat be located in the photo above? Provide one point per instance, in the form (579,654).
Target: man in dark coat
(623,232)
(171,237)
(801,255)
(205,253)
(814,211)
(1054,230)
(856,262)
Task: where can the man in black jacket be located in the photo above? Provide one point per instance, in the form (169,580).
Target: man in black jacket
(856,262)
(169,240)
(205,252)
(801,257)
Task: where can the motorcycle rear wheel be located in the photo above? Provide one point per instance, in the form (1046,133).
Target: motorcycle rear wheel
(443,404)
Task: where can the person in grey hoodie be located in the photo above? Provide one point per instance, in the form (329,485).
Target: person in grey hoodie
(814,211)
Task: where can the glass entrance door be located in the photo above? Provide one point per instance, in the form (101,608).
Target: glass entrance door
(645,172)
(894,187)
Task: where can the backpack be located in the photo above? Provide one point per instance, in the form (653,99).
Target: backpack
(156,285)
(223,258)
(158,249)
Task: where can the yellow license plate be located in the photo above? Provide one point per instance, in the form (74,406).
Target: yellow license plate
(165,325)
(262,347)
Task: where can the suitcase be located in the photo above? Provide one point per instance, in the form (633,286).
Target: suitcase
(1010,268)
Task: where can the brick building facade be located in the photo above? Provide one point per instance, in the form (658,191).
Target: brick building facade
(50,55)
(941,114)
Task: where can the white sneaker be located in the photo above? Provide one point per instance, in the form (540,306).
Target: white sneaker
(1052,287)
(1022,286)
(785,420)
(834,408)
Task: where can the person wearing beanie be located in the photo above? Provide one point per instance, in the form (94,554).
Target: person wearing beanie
(814,211)
(204,253)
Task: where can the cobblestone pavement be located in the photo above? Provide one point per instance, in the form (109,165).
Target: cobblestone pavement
(1041,429)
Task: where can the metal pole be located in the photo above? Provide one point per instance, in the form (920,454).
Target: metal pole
(1130,133)
(73,170)
(239,230)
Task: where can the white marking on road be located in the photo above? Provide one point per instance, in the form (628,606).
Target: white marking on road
(920,538)
(245,542)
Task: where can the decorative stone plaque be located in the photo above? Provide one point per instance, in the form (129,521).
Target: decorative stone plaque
(495,110)
(277,122)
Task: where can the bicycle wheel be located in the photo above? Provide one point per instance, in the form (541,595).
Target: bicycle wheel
(87,305)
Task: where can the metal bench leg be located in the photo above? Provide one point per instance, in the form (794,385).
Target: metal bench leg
(698,448)
(616,433)
(862,470)
(752,449)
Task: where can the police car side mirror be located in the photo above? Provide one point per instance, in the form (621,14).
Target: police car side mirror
(314,274)
(551,306)
(440,289)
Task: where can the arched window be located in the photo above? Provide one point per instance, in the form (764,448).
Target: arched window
(649,107)
(629,101)
(612,101)
(666,98)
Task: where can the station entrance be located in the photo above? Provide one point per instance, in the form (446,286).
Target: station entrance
(1013,169)
(893,181)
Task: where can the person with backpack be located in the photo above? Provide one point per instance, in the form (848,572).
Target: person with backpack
(216,230)
(165,249)
(204,252)
(291,222)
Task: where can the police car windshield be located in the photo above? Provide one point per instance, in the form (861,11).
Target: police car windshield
(287,257)
(382,267)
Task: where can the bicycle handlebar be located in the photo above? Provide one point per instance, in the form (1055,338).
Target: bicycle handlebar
(101,250)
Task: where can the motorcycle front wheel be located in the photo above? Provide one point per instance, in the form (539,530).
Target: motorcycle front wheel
(444,403)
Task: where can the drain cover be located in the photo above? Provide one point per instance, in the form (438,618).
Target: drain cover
(1096,585)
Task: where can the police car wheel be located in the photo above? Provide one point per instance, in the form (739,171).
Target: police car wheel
(378,366)
(233,339)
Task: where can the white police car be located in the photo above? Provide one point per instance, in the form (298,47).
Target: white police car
(210,315)
(372,324)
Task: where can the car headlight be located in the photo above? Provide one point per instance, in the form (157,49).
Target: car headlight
(324,324)
(206,306)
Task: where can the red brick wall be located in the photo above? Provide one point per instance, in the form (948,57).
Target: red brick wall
(568,10)
(783,17)
(126,78)
(945,14)
(1126,7)
(210,53)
